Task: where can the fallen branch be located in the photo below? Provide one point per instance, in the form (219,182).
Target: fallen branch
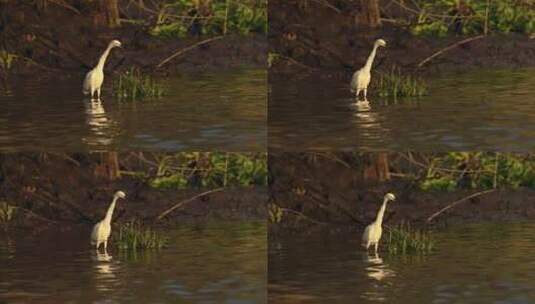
(166,212)
(426,60)
(429,219)
(189,48)
(33,214)
(291,60)
(327,4)
(287,210)
(65,5)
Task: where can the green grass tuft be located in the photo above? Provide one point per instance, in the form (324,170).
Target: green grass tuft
(405,240)
(133,85)
(395,84)
(133,236)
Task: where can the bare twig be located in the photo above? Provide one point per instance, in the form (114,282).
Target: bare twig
(429,219)
(182,203)
(426,60)
(189,48)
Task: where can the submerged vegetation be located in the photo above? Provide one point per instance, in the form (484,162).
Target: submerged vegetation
(133,236)
(396,84)
(133,85)
(403,239)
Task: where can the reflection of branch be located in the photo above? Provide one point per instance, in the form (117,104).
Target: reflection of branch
(426,60)
(429,219)
(166,212)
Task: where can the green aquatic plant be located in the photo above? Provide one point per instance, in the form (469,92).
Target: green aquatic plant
(442,17)
(403,239)
(210,170)
(133,85)
(134,236)
(478,170)
(395,84)
(180,18)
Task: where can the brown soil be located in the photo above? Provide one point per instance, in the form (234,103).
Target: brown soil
(334,197)
(338,47)
(58,41)
(52,191)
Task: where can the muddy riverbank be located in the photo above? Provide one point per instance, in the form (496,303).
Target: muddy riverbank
(41,50)
(339,48)
(51,191)
(331,197)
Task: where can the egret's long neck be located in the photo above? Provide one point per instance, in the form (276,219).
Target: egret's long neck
(381,212)
(369,62)
(109,213)
(103,58)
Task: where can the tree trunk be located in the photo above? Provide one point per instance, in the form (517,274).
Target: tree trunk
(376,167)
(111,9)
(108,167)
(369,14)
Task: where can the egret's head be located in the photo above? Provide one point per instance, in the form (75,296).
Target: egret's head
(119,194)
(115,43)
(380,42)
(390,197)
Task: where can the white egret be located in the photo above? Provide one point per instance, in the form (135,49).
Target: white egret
(361,78)
(373,232)
(101,230)
(94,78)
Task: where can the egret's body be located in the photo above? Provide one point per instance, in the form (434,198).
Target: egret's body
(102,230)
(361,78)
(94,78)
(373,231)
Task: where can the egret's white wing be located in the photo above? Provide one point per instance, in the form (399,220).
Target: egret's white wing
(366,234)
(95,233)
(87,83)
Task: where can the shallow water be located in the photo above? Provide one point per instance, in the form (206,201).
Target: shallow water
(224,111)
(483,110)
(218,263)
(484,263)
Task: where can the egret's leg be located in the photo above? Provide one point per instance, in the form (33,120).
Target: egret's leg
(365,98)
(98,98)
(105,246)
(357,94)
(376,245)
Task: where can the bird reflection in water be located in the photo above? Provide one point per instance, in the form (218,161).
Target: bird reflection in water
(104,271)
(99,124)
(368,121)
(377,269)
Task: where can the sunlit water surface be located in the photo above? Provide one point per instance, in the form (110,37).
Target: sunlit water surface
(224,111)
(218,263)
(490,263)
(483,110)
